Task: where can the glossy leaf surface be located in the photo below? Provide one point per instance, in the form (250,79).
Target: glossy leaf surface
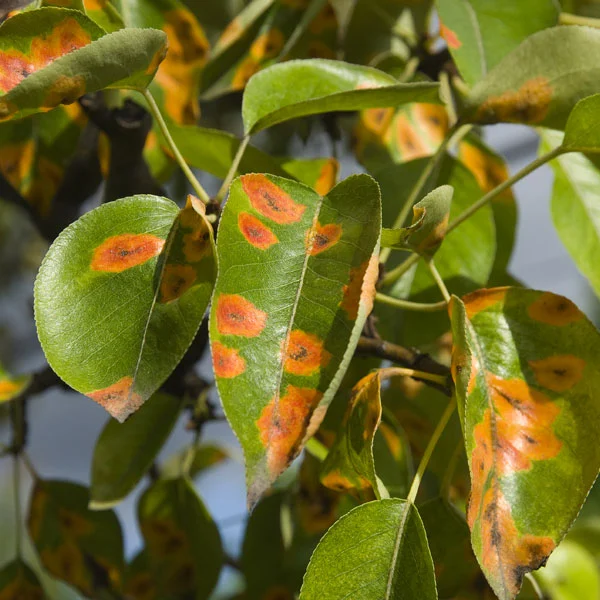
(378,550)
(65,55)
(75,545)
(296,284)
(480,33)
(124,452)
(581,132)
(120,296)
(539,82)
(575,207)
(428,228)
(18,581)
(273,95)
(183,545)
(523,362)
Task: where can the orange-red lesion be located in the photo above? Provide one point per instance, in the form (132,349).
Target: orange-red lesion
(256,232)
(409,143)
(118,399)
(554,310)
(283,423)
(270,200)
(489,170)
(322,237)
(558,373)
(235,315)
(481,300)
(327,177)
(360,288)
(450,36)
(304,353)
(227,362)
(175,281)
(121,252)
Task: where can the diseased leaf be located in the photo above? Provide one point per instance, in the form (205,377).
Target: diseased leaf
(378,550)
(581,132)
(480,33)
(522,363)
(139,581)
(104,13)
(539,82)
(428,228)
(75,545)
(575,207)
(296,283)
(114,286)
(318,173)
(11,387)
(52,56)
(183,545)
(124,452)
(18,581)
(273,95)
(204,457)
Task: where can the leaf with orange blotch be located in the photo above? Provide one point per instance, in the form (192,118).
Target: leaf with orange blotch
(428,229)
(524,363)
(479,33)
(11,387)
(540,81)
(75,544)
(52,56)
(19,582)
(297,280)
(113,286)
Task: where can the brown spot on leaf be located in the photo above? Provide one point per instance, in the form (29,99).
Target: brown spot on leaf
(361,288)
(238,316)
(73,524)
(271,201)
(175,281)
(327,177)
(121,252)
(66,562)
(489,170)
(377,120)
(558,373)
(65,90)
(335,480)
(305,354)
(433,118)
(268,45)
(245,70)
(322,237)
(227,362)
(481,300)
(410,145)
(118,399)
(283,423)
(256,232)
(554,310)
(529,104)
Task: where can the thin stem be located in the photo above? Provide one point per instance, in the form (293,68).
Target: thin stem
(232,170)
(29,466)
(569,19)
(400,270)
(435,438)
(536,586)
(200,191)
(408,305)
(438,279)
(536,164)
(17,500)
(389,372)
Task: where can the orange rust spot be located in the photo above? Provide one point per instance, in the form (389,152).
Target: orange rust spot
(558,373)
(433,118)
(238,316)
(335,480)
(450,37)
(270,200)
(268,45)
(65,90)
(410,145)
(73,524)
(66,562)
(16,162)
(227,362)
(489,170)
(506,554)
(322,237)
(282,425)
(15,66)
(481,300)
(361,288)
(327,177)
(529,104)
(460,362)
(121,252)
(377,120)
(256,232)
(305,354)
(176,280)
(435,237)
(230,33)
(554,310)
(118,398)
(8,388)
(248,67)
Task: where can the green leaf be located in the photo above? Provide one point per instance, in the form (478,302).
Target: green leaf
(120,296)
(104,14)
(539,82)
(480,33)
(59,72)
(428,228)
(183,545)
(75,545)
(296,283)
(204,457)
(524,363)
(72,4)
(124,452)
(581,132)
(575,209)
(11,387)
(307,87)
(139,581)
(378,550)
(18,581)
